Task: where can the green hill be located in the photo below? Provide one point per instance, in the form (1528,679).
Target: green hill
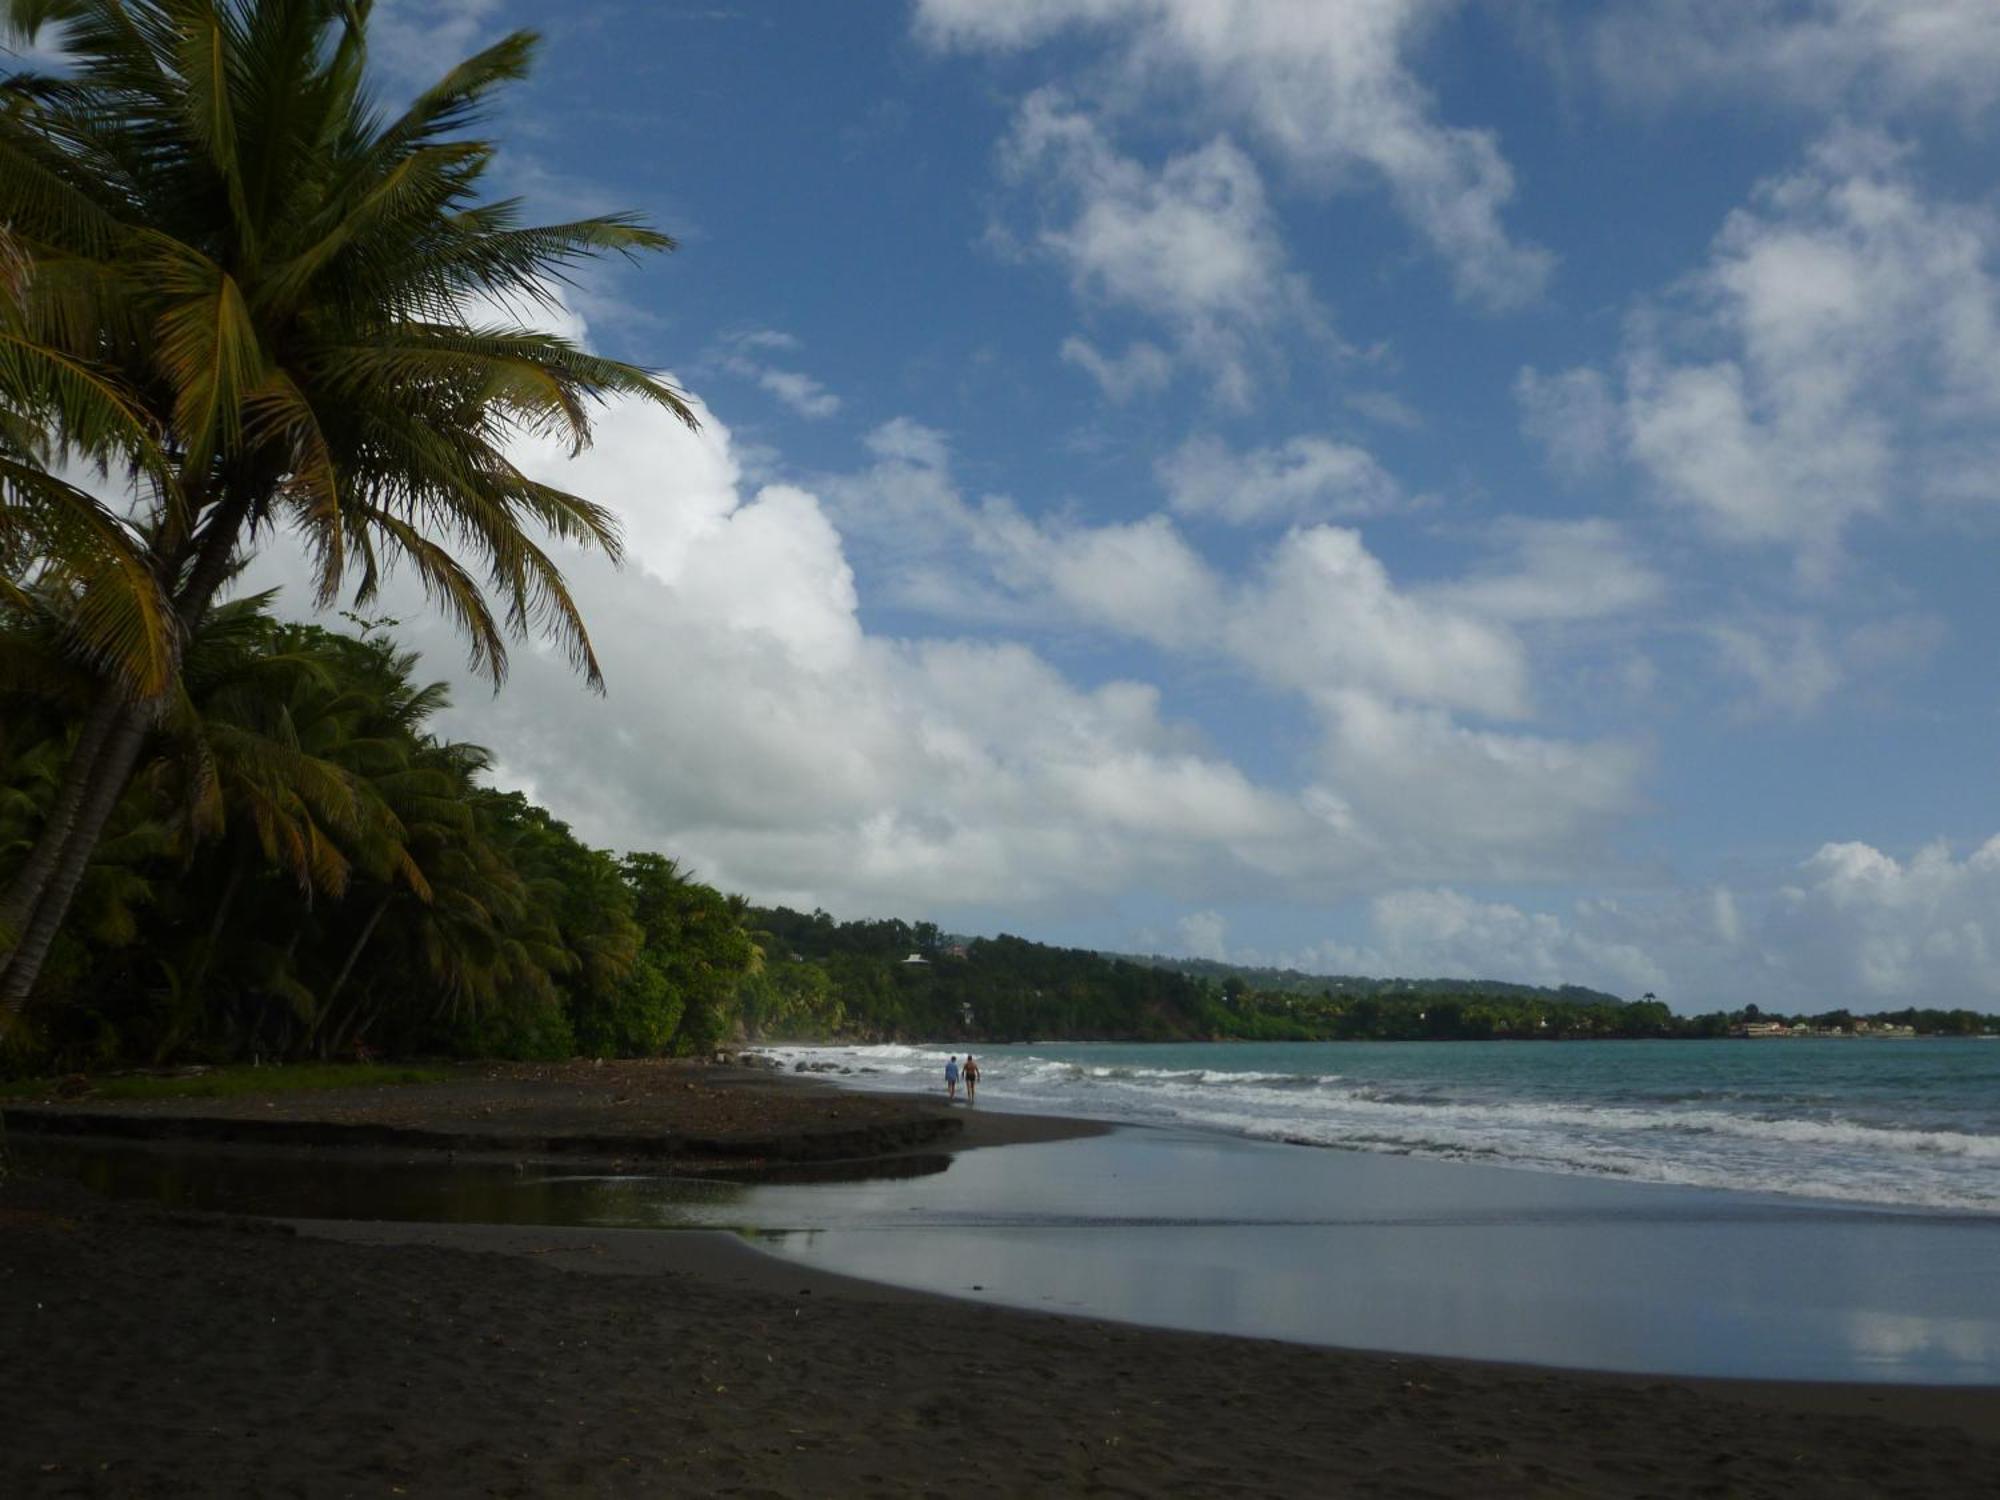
(1297,982)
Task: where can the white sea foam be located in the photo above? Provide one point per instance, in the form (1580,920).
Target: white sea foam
(1742,1137)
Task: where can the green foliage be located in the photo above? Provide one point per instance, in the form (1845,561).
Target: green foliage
(792,998)
(642,1019)
(1007,989)
(300,869)
(233,278)
(233,271)
(1267,981)
(695,938)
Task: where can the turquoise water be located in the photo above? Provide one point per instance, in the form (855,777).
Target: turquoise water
(1904,1123)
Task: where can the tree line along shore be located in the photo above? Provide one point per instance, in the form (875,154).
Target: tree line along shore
(302,868)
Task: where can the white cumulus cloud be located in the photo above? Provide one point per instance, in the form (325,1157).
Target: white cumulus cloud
(1445,934)
(1793,664)
(1545,571)
(1304,478)
(1862,54)
(1837,359)
(1143,368)
(1574,415)
(1849,926)
(1325,616)
(755,728)
(745,355)
(1325,85)
(1193,244)
(1204,934)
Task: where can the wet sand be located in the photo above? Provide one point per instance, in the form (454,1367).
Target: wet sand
(153,1353)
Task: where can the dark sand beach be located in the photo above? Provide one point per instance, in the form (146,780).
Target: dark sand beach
(695,1118)
(157,1353)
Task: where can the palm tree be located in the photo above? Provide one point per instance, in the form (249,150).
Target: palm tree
(276,751)
(272,305)
(56,537)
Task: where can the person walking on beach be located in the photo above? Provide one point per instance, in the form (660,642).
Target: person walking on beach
(951,1078)
(970,1073)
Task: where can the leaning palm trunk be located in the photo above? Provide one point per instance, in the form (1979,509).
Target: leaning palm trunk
(193,984)
(31,881)
(330,1038)
(127,723)
(109,773)
(249,287)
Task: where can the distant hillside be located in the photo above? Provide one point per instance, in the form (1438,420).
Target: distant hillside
(1294,982)
(890,980)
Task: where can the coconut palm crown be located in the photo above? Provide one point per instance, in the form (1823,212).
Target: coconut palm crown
(273,306)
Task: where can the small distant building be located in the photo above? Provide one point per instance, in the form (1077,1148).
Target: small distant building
(915,958)
(1760,1029)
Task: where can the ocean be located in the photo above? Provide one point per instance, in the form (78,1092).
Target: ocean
(1787,1210)
(1912,1124)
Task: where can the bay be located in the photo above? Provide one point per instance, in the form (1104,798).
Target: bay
(1900,1123)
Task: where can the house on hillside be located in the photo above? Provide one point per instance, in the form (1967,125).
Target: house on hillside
(1760,1029)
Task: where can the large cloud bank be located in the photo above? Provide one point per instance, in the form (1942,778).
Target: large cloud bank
(1850,926)
(755,726)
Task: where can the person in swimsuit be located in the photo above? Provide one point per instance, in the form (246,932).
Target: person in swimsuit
(951,1078)
(970,1073)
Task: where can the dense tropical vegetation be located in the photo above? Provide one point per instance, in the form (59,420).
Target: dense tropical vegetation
(300,867)
(258,301)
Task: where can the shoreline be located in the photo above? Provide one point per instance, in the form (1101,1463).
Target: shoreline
(700,1119)
(196,1353)
(456,1153)
(1598,1135)
(728,1257)
(479,1358)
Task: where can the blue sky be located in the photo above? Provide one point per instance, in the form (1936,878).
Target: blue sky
(1379,485)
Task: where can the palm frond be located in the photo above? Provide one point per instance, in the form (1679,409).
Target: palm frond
(208,348)
(118,617)
(448,586)
(278,415)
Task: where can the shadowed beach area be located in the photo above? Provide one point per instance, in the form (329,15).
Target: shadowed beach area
(692,1117)
(195,1353)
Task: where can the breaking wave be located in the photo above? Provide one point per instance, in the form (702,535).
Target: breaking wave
(1854,1122)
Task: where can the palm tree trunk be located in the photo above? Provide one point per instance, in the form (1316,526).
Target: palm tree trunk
(31,881)
(350,1026)
(104,779)
(108,775)
(361,942)
(333,1038)
(239,866)
(287,1016)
